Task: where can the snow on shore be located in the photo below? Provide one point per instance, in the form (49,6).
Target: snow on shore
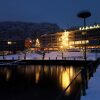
(93,91)
(52,55)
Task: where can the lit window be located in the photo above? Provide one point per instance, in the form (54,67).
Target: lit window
(9,42)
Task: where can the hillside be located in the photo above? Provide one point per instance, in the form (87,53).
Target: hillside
(22,30)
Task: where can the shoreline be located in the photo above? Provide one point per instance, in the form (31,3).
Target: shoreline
(46,62)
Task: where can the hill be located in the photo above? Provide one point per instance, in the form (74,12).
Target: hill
(23,30)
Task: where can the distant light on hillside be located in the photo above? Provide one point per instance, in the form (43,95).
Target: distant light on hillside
(9,42)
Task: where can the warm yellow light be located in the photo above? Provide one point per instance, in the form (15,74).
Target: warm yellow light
(37,43)
(46,69)
(71,42)
(65,80)
(9,42)
(61,46)
(37,76)
(8,75)
(30,41)
(83,33)
(64,40)
(71,72)
(66,76)
(82,42)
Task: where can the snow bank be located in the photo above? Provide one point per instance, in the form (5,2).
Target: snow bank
(93,92)
(52,55)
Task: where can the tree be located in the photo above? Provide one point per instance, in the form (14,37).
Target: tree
(37,43)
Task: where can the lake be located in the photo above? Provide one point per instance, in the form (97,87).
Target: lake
(39,82)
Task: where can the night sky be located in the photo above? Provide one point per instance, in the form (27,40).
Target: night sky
(61,12)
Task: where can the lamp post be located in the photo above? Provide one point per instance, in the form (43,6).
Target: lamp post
(83,15)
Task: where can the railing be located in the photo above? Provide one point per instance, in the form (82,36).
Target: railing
(11,63)
(85,72)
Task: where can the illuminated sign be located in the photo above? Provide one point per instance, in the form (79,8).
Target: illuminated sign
(89,27)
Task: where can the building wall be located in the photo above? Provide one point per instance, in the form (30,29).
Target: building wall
(76,37)
(12,45)
(91,35)
(50,41)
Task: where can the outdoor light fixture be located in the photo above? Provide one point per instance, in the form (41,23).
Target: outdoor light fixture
(84,15)
(9,42)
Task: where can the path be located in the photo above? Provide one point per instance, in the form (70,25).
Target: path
(93,91)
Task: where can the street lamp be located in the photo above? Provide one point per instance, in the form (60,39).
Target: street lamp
(84,15)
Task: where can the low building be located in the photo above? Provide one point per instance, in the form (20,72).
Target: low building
(11,46)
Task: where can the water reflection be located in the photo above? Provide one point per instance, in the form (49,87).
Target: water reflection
(64,80)
(61,74)
(41,79)
(6,73)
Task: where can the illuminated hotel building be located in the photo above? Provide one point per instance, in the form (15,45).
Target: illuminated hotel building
(50,41)
(72,38)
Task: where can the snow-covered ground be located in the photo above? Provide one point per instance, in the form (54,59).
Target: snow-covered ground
(93,92)
(22,56)
(52,55)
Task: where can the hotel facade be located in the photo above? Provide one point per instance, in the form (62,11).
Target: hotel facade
(71,39)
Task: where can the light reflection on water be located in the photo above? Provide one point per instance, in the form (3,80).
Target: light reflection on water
(6,73)
(63,75)
(43,75)
(65,79)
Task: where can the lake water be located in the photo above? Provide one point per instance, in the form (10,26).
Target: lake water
(39,82)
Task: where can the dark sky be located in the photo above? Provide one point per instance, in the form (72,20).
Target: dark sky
(61,12)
